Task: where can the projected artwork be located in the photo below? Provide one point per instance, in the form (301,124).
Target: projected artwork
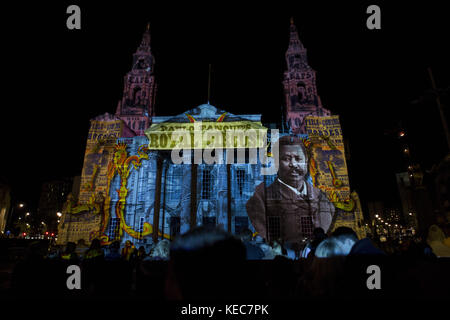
(311,188)
(121,166)
(290,207)
(101,138)
(328,169)
(134,188)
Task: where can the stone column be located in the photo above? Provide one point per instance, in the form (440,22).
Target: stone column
(159,168)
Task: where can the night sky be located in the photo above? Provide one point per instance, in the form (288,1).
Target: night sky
(58,79)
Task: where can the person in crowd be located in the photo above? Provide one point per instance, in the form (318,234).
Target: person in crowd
(128,251)
(93,267)
(54,252)
(436,239)
(27,276)
(95,251)
(81,247)
(330,247)
(278,249)
(161,250)
(141,254)
(254,252)
(69,254)
(365,247)
(204,264)
(113,252)
(347,237)
(269,254)
(323,275)
(317,237)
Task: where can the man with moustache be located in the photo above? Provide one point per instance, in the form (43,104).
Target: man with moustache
(291,207)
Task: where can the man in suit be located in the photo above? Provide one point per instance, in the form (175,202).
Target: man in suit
(290,208)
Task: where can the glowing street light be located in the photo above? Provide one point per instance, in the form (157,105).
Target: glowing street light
(27,214)
(59,214)
(21,205)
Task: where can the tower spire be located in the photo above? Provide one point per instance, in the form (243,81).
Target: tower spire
(137,104)
(300,85)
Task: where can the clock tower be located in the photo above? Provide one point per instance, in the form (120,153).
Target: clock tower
(300,86)
(137,105)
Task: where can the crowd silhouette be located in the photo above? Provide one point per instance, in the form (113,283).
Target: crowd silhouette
(211,264)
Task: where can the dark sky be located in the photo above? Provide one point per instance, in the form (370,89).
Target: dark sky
(58,79)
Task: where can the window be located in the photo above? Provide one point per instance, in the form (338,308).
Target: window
(240,224)
(306,226)
(240,175)
(174,226)
(114,229)
(141,227)
(209,222)
(274,227)
(175,181)
(206,184)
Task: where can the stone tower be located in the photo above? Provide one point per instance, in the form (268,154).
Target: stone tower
(137,105)
(300,86)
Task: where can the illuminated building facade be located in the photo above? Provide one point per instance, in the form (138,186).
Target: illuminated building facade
(300,88)
(137,105)
(51,201)
(131,189)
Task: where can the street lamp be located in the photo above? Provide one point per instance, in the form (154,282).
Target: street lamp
(59,214)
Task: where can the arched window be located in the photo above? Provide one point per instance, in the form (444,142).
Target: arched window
(137,95)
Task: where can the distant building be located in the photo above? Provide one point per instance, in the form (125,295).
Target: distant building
(53,196)
(5,205)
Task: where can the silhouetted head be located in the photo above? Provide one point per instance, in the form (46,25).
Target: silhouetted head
(328,248)
(95,244)
(115,245)
(344,230)
(205,263)
(161,250)
(347,237)
(70,247)
(246,235)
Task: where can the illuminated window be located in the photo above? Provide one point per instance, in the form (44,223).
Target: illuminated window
(114,228)
(174,187)
(141,227)
(274,227)
(306,226)
(240,224)
(206,184)
(240,175)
